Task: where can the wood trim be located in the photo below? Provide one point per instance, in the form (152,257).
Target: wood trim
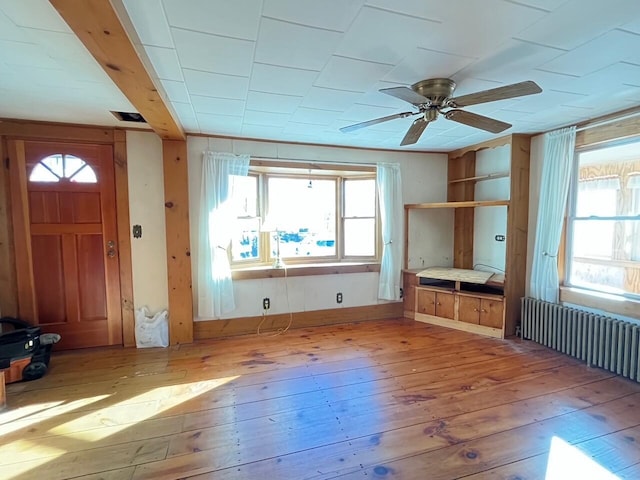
(303,270)
(469,204)
(8,293)
(55,131)
(21,231)
(176,195)
(458,325)
(493,143)
(462,167)
(96,24)
(249,325)
(124,239)
(309,165)
(479,178)
(518,224)
(607,303)
(615,130)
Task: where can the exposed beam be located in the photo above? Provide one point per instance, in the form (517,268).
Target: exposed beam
(96,24)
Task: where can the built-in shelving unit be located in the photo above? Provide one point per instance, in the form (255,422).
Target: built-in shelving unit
(471,310)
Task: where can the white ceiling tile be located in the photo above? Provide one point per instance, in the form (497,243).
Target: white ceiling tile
(350,74)
(219,124)
(58,45)
(329,99)
(302,128)
(384,37)
(150,22)
(10,31)
(329,14)
(165,62)
(184,110)
(632,26)
(272,102)
(612,47)
(260,131)
(225,86)
(268,119)
(548,5)
(290,45)
(550,99)
(577,21)
(415,8)
(362,113)
(476,29)
(236,19)
(511,62)
(314,115)
(218,106)
(176,91)
(25,54)
(213,53)
(34,14)
(420,64)
(283,80)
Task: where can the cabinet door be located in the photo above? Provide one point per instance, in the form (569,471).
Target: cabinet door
(426,301)
(491,313)
(469,309)
(445,305)
(409,290)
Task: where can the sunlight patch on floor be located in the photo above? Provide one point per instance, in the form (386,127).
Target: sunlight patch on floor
(14,465)
(568,462)
(171,396)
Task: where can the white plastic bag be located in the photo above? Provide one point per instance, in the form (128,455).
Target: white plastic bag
(152,330)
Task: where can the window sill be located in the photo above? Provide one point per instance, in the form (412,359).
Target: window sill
(601,301)
(302,270)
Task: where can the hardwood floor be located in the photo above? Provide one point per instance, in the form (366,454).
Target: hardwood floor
(393,399)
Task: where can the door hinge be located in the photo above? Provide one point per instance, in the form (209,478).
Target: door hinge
(6,163)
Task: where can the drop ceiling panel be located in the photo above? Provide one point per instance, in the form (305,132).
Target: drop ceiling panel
(34,14)
(314,116)
(151,22)
(350,74)
(273,102)
(222,124)
(329,14)
(577,21)
(290,45)
(165,63)
(225,86)
(217,106)
(422,63)
(283,80)
(235,19)
(392,39)
(176,91)
(213,53)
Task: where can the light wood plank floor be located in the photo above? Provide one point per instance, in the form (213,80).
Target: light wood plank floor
(391,399)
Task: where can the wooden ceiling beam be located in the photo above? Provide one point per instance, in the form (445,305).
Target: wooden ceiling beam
(96,24)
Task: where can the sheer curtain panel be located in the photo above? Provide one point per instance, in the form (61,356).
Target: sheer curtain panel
(389,186)
(558,161)
(215,287)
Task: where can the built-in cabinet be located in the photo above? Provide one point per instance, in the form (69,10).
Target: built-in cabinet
(494,310)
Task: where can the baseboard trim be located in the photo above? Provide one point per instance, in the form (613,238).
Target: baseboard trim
(465,327)
(244,325)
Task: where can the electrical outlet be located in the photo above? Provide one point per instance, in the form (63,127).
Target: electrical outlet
(266,303)
(499,238)
(339,297)
(401,293)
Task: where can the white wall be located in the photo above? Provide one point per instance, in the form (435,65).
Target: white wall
(491,221)
(424,178)
(146,208)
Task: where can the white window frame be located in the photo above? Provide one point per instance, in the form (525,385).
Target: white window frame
(264,169)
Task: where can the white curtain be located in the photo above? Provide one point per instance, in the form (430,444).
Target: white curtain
(215,287)
(557,165)
(389,185)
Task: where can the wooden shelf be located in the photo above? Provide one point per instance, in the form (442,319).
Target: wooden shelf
(479,178)
(467,204)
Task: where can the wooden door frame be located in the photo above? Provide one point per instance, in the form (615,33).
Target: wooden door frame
(26,131)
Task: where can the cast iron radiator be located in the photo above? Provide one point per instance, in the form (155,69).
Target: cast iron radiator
(599,340)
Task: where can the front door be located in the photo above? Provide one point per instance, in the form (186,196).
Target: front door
(71,227)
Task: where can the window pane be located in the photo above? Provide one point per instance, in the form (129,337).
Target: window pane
(41,174)
(604,278)
(85,175)
(245,244)
(359,237)
(55,164)
(360,198)
(72,165)
(245,195)
(593,239)
(303,215)
(597,198)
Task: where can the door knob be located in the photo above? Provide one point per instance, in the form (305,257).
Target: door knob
(111,253)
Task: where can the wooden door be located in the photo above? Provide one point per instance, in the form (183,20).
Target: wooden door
(491,313)
(68,270)
(469,309)
(425,301)
(445,305)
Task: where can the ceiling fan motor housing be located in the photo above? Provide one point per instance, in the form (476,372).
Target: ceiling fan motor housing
(437,90)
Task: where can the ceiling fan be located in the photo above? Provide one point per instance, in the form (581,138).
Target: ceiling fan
(433,96)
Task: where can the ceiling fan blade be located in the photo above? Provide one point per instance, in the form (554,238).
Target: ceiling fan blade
(414,132)
(358,126)
(500,93)
(406,94)
(477,121)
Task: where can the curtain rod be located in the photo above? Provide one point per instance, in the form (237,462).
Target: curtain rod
(298,160)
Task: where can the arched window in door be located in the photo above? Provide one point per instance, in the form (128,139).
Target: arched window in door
(60,166)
